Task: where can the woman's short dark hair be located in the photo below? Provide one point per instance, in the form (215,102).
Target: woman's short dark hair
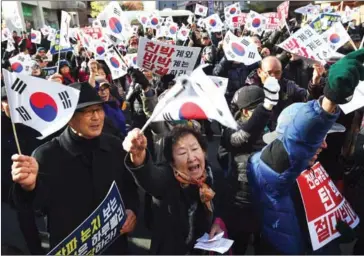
(176,134)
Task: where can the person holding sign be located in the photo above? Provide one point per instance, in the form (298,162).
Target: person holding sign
(272,172)
(68,177)
(184,185)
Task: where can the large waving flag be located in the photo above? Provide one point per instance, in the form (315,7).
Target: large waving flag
(21,63)
(36,36)
(65,30)
(115,63)
(114,23)
(194,98)
(201,10)
(240,49)
(40,104)
(256,22)
(336,36)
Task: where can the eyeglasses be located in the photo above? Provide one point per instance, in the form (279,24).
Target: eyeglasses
(90,112)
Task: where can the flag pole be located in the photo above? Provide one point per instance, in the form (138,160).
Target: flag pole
(16,137)
(362,43)
(59,54)
(353,45)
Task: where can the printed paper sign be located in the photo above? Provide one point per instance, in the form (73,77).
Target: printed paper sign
(237,21)
(48,71)
(240,49)
(282,10)
(273,21)
(308,44)
(95,32)
(98,231)
(162,58)
(55,46)
(324,22)
(324,206)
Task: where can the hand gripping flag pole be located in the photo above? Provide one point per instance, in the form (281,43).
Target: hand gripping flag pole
(165,101)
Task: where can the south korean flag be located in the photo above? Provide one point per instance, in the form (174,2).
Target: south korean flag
(115,63)
(232,11)
(36,36)
(256,22)
(21,64)
(40,104)
(154,21)
(201,10)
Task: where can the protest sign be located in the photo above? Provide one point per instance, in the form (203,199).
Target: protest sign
(98,231)
(237,21)
(308,44)
(282,10)
(65,29)
(54,48)
(324,206)
(162,58)
(324,21)
(273,21)
(94,32)
(240,49)
(48,71)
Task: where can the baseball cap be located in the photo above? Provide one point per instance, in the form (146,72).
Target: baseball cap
(248,97)
(285,119)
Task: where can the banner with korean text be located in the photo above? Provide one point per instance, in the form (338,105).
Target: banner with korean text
(324,206)
(98,231)
(162,58)
(95,33)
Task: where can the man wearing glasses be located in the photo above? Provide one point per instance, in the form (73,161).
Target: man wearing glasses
(289,93)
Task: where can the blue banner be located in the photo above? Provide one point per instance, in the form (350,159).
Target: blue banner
(98,231)
(324,21)
(54,48)
(211,7)
(48,71)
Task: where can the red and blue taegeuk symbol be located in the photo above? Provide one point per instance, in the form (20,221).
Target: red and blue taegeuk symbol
(17,67)
(144,20)
(100,50)
(334,38)
(184,32)
(154,21)
(212,22)
(237,49)
(190,110)
(33,36)
(115,25)
(233,10)
(256,23)
(200,10)
(173,30)
(43,106)
(135,58)
(114,62)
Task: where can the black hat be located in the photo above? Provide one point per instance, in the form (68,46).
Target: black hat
(248,97)
(88,95)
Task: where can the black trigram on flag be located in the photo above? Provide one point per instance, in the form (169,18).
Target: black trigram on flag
(23,113)
(18,86)
(167,117)
(117,12)
(65,98)
(103,23)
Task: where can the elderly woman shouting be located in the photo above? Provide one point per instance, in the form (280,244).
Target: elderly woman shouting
(184,185)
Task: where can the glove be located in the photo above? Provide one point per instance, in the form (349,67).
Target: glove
(238,138)
(271,91)
(344,76)
(348,235)
(138,77)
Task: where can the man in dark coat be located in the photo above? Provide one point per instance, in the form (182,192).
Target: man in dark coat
(68,177)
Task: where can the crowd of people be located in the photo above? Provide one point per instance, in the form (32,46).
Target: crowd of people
(252,196)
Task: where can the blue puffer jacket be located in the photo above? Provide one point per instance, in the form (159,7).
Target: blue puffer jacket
(271,188)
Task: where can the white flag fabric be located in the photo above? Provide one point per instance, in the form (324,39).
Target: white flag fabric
(201,23)
(36,36)
(256,22)
(86,40)
(135,29)
(232,11)
(52,34)
(131,59)
(201,10)
(172,30)
(240,49)
(197,99)
(5,34)
(309,9)
(15,18)
(190,19)
(114,22)
(183,33)
(283,10)
(115,63)
(143,19)
(220,82)
(213,23)
(45,30)
(10,46)
(336,36)
(21,63)
(99,48)
(65,29)
(38,103)
(154,21)
(96,23)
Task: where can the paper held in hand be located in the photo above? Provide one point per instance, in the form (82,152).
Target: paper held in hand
(216,244)
(357,100)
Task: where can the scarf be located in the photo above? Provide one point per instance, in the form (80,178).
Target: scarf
(206,193)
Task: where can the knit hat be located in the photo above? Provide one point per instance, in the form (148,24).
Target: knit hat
(248,97)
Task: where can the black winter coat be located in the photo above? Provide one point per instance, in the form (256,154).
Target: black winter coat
(178,208)
(75,175)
